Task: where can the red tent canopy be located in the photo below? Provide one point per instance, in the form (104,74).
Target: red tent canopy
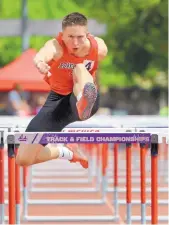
(22,71)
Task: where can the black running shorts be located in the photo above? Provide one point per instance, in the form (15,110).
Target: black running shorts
(57,112)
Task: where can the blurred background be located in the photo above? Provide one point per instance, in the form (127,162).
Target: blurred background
(133,79)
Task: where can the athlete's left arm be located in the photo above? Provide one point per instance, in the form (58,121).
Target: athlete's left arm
(102,48)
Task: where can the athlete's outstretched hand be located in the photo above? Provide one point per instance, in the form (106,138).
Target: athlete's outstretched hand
(43,68)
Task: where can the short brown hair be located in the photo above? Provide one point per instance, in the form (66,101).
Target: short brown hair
(74,19)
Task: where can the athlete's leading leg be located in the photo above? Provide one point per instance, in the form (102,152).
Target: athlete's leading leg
(29,154)
(85,91)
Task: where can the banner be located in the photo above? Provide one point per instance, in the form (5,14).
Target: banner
(45,138)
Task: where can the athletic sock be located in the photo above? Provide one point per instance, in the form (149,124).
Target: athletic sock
(65,153)
(79,96)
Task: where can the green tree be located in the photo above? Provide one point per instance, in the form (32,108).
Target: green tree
(136,35)
(10,47)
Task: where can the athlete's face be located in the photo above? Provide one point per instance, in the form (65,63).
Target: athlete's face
(75,37)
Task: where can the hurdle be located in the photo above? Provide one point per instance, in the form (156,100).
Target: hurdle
(92,218)
(148,138)
(117,121)
(14,192)
(163,134)
(4,128)
(64,181)
(67,181)
(104,180)
(90,189)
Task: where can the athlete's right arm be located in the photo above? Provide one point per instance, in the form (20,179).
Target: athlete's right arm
(51,50)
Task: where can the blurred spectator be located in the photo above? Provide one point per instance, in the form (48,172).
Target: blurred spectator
(17,103)
(40,100)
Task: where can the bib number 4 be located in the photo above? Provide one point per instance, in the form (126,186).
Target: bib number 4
(89,64)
